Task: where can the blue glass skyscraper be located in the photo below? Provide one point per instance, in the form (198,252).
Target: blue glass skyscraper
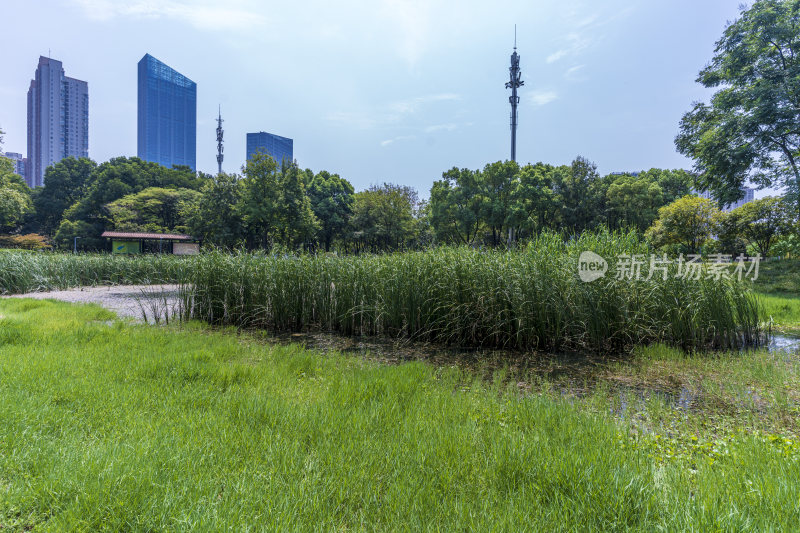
(167,126)
(280,148)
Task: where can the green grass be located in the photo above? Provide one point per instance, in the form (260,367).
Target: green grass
(784,311)
(110,426)
(779,277)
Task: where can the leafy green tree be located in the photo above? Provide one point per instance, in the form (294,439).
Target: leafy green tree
(686,223)
(533,207)
(575,194)
(297,224)
(674,184)
(15,197)
(258,204)
(633,201)
(65,183)
(87,233)
(750,131)
(214,215)
(274,206)
(728,230)
(332,199)
(121,177)
(155,210)
(763,221)
(456,206)
(497,187)
(384,218)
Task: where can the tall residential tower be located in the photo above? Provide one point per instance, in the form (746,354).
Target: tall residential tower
(167,121)
(58,119)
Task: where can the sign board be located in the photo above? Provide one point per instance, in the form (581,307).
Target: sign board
(185,248)
(125,247)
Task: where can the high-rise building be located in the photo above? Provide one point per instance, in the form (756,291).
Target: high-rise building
(280,148)
(748,194)
(167,121)
(17,160)
(58,119)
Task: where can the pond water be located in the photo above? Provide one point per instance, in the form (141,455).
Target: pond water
(571,375)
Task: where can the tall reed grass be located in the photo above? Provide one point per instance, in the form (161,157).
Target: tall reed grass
(22,272)
(525,299)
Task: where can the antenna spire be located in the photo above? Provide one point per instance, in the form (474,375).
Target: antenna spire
(219,139)
(514,83)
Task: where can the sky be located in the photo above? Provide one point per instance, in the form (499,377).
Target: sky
(384,90)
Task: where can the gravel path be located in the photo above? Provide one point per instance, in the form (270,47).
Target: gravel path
(130,301)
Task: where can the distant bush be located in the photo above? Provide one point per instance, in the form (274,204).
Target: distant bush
(31,241)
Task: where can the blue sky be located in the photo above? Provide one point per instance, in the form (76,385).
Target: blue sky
(384,90)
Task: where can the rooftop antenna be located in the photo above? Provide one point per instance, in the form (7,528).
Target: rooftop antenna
(219,139)
(514,83)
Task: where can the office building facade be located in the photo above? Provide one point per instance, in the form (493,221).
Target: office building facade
(167,115)
(280,148)
(58,119)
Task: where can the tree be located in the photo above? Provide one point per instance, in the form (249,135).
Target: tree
(456,206)
(763,221)
(497,186)
(728,229)
(633,201)
(15,197)
(575,194)
(214,215)
(686,223)
(65,183)
(533,206)
(750,131)
(297,224)
(258,203)
(332,199)
(154,210)
(121,177)
(384,218)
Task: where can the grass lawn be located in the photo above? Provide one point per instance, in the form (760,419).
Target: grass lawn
(110,426)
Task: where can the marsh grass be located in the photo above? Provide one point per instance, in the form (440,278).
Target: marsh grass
(522,300)
(43,271)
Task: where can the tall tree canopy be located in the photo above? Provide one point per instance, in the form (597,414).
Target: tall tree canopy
(65,183)
(155,210)
(15,197)
(750,130)
(332,199)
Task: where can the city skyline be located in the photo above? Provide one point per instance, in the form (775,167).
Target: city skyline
(401,91)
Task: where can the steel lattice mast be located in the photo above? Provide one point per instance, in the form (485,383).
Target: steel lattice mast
(219,140)
(514,83)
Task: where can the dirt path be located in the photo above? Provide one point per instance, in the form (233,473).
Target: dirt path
(129,301)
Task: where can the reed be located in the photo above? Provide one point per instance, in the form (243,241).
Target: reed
(22,272)
(527,299)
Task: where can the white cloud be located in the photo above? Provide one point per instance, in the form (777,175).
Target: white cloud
(555,56)
(543,97)
(573,73)
(387,142)
(440,127)
(411,19)
(200,14)
(392,113)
